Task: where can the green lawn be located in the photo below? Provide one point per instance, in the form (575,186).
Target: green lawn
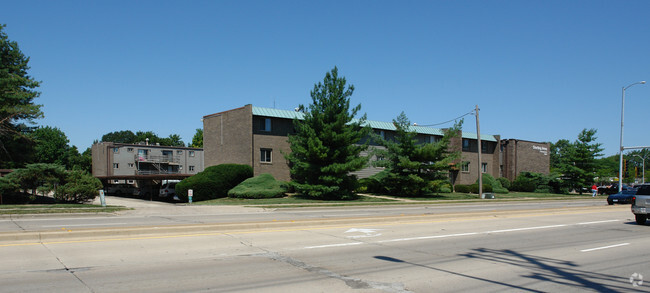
(498,196)
(293,201)
(296,201)
(57,209)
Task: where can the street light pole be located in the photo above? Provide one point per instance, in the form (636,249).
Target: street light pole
(620,161)
(480,164)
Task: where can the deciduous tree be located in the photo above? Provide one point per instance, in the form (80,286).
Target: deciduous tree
(123,136)
(51,145)
(197,140)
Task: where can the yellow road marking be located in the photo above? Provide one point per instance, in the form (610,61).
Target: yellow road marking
(520,214)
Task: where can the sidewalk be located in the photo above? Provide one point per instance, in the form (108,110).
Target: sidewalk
(147,207)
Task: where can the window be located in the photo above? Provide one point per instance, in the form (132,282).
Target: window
(179,152)
(116,181)
(131,165)
(142,154)
(382,134)
(484,147)
(130,150)
(168,155)
(433,139)
(191,153)
(265,124)
(130,181)
(116,165)
(465,144)
(265,155)
(464,166)
(483,167)
(191,168)
(116,150)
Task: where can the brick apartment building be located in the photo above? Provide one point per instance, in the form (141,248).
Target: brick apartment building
(257,137)
(524,156)
(113,162)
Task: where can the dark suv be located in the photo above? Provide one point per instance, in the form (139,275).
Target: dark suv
(641,204)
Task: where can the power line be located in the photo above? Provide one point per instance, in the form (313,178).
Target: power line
(469,113)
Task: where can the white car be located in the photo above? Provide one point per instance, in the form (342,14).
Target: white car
(168,189)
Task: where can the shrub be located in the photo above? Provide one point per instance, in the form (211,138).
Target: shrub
(504,182)
(537,182)
(486,188)
(262,186)
(495,185)
(213,182)
(9,191)
(371,185)
(462,188)
(440,186)
(80,187)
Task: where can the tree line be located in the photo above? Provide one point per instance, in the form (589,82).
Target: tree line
(325,150)
(580,163)
(42,155)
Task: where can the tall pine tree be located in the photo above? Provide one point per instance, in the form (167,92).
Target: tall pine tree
(577,161)
(412,165)
(17,94)
(325,148)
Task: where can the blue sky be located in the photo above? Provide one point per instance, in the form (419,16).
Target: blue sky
(539,70)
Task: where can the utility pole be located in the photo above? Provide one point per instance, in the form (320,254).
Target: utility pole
(480,163)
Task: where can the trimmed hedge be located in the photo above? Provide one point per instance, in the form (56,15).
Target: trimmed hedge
(461,188)
(473,188)
(495,185)
(213,182)
(504,182)
(262,186)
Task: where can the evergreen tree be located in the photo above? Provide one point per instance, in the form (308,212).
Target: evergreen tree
(411,165)
(577,161)
(17,108)
(325,148)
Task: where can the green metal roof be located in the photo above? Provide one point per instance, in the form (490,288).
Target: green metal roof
(486,137)
(269,112)
(286,114)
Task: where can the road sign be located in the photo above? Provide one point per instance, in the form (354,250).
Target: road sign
(101,197)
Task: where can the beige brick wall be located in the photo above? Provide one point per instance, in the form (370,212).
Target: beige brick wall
(278,166)
(525,156)
(228,137)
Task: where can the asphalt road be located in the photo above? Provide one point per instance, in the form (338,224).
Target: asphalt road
(148,213)
(560,249)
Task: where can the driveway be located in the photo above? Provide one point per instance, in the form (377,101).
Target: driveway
(147,207)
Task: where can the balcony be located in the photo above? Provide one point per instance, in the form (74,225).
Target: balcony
(164,159)
(156,172)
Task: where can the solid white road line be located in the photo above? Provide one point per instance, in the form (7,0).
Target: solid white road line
(598,222)
(84,225)
(474,233)
(604,247)
(335,245)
